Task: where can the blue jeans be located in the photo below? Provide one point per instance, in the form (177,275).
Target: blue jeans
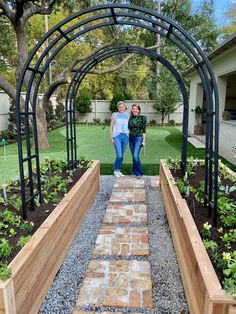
(121,142)
(135,143)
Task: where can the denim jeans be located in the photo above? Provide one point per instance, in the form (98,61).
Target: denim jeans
(135,143)
(121,142)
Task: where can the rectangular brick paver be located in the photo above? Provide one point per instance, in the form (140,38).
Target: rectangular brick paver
(117,284)
(129,182)
(123,241)
(128,195)
(122,213)
(155,182)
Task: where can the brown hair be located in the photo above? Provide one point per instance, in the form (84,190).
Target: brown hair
(134,105)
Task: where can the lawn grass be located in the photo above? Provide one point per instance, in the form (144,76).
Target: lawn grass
(94,143)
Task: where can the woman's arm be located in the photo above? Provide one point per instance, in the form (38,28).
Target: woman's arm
(144,130)
(111,127)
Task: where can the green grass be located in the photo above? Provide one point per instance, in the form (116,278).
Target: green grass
(94,143)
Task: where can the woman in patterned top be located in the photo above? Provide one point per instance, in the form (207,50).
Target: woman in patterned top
(137,138)
(119,135)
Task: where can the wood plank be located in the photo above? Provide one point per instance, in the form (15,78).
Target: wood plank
(59,238)
(200,281)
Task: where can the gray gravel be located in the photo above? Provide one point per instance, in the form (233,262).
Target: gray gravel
(168,291)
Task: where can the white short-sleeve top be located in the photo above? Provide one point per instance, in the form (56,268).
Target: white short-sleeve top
(120,124)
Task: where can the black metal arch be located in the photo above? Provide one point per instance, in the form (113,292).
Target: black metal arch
(85,68)
(99,17)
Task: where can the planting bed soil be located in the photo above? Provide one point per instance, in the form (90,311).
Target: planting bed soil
(200,215)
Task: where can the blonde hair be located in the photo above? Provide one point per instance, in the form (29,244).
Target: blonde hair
(121,103)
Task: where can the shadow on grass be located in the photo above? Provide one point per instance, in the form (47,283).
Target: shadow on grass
(148,169)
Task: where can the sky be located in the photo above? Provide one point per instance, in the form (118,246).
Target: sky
(221,7)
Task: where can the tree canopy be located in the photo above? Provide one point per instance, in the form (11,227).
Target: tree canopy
(23,23)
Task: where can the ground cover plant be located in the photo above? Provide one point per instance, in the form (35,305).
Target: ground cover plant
(15,232)
(219,241)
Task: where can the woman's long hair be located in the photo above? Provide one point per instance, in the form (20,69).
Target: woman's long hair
(134,105)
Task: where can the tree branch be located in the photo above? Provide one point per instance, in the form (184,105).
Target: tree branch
(115,68)
(34,9)
(8,88)
(65,76)
(6,10)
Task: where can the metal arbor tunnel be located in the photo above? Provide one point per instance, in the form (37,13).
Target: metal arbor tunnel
(73,28)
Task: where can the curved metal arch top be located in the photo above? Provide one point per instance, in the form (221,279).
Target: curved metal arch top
(84,22)
(86,67)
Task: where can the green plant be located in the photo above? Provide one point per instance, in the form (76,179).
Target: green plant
(22,241)
(118,95)
(107,121)
(12,232)
(3,225)
(226,115)
(27,226)
(206,232)
(16,202)
(230,273)
(227,211)
(152,122)
(229,238)
(171,122)
(211,246)
(83,102)
(96,121)
(5,272)
(5,248)
(8,216)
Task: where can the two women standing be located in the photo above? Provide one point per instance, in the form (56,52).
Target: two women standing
(121,126)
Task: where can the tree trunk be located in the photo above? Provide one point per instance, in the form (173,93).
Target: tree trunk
(42,126)
(40,114)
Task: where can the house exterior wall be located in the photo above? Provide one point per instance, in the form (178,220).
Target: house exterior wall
(223,66)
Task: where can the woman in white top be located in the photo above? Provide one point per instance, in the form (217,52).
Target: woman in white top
(119,135)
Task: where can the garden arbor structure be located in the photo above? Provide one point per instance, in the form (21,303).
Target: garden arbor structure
(86,68)
(75,27)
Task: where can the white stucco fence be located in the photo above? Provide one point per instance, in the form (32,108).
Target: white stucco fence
(100,110)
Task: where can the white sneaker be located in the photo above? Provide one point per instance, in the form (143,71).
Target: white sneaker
(121,174)
(117,174)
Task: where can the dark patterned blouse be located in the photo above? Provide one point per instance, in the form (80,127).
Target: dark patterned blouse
(137,125)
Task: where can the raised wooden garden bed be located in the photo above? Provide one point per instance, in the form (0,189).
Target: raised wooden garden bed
(35,266)
(202,287)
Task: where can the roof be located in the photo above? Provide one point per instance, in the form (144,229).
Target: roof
(229,43)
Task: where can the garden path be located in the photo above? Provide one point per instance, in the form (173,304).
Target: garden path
(120,276)
(112,254)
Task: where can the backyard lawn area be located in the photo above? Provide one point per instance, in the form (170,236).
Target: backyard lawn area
(94,143)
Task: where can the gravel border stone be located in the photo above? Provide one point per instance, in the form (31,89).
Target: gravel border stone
(168,293)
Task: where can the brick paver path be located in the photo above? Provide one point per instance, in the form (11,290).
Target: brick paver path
(116,277)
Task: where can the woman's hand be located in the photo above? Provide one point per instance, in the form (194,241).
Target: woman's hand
(112,141)
(143,143)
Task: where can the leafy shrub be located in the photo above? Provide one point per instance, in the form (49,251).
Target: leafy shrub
(22,241)
(118,95)
(5,248)
(5,272)
(83,101)
(152,122)
(60,111)
(96,121)
(107,121)
(171,122)
(49,113)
